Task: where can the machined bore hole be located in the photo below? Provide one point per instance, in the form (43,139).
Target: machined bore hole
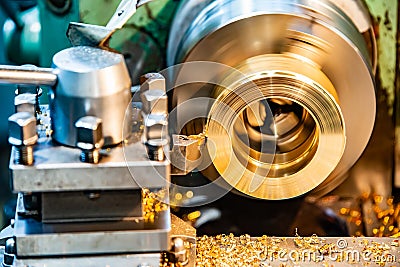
(289,138)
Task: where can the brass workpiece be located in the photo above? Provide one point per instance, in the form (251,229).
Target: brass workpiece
(298,108)
(232,152)
(276,160)
(230,250)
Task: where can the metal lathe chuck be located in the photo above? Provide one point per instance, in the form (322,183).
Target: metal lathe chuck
(298,109)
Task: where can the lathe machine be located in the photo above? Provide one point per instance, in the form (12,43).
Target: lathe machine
(271,100)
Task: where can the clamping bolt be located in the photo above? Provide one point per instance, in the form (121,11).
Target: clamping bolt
(23,136)
(89,138)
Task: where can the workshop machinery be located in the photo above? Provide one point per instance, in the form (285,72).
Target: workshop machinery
(270,99)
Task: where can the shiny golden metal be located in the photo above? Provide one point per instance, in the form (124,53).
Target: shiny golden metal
(284,173)
(303,63)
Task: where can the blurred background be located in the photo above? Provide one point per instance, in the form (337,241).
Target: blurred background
(7,108)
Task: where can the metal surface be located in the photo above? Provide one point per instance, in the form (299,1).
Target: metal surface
(91,206)
(156,149)
(185,154)
(94,35)
(155,126)
(9,252)
(22,128)
(26,103)
(359,14)
(154,102)
(88,35)
(285,125)
(58,168)
(104,202)
(69,204)
(124,12)
(179,251)
(284,172)
(186,232)
(27,75)
(152,81)
(314,32)
(6,232)
(134,236)
(154,113)
(1,253)
(376,171)
(135,260)
(89,138)
(92,82)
